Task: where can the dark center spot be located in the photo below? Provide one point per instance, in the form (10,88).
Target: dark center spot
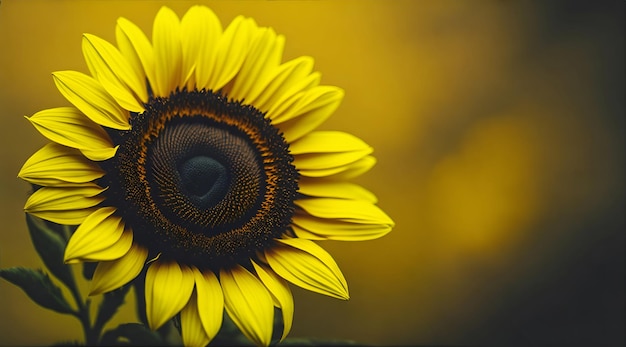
(204,179)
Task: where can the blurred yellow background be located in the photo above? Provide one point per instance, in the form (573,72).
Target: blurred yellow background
(499,132)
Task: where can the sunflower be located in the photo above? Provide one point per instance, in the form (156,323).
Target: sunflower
(194,157)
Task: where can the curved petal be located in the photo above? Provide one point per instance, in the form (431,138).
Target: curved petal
(115,74)
(92,99)
(355,211)
(97,234)
(69,127)
(113,274)
(279,289)
(322,161)
(64,205)
(288,79)
(344,172)
(168,289)
(192,332)
(327,142)
(313,228)
(307,265)
(231,51)
(334,189)
(57,165)
(114,251)
(259,66)
(248,304)
(210,302)
(200,30)
(136,48)
(306,111)
(167,51)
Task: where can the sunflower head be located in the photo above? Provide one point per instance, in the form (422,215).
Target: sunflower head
(197,149)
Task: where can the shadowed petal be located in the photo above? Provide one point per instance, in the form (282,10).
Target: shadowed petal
(192,332)
(307,265)
(110,275)
(279,289)
(57,165)
(248,304)
(95,238)
(168,289)
(64,205)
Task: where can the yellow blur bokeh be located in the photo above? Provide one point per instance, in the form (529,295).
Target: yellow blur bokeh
(498,129)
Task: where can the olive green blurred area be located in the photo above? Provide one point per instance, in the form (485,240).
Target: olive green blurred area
(499,132)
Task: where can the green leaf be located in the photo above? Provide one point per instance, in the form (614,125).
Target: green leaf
(39,287)
(111,302)
(134,334)
(50,245)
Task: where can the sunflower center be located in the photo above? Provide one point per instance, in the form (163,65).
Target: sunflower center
(203,180)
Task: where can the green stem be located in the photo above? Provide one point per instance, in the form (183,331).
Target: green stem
(91,336)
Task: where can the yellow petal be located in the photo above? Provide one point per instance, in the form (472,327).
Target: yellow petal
(279,289)
(316,100)
(287,80)
(356,211)
(95,236)
(301,233)
(136,48)
(57,165)
(327,142)
(168,289)
(69,127)
(248,304)
(167,51)
(313,228)
(200,30)
(344,172)
(306,111)
(210,302)
(64,205)
(334,189)
(115,74)
(92,99)
(100,154)
(305,264)
(231,51)
(192,332)
(110,275)
(259,66)
(322,161)
(114,251)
